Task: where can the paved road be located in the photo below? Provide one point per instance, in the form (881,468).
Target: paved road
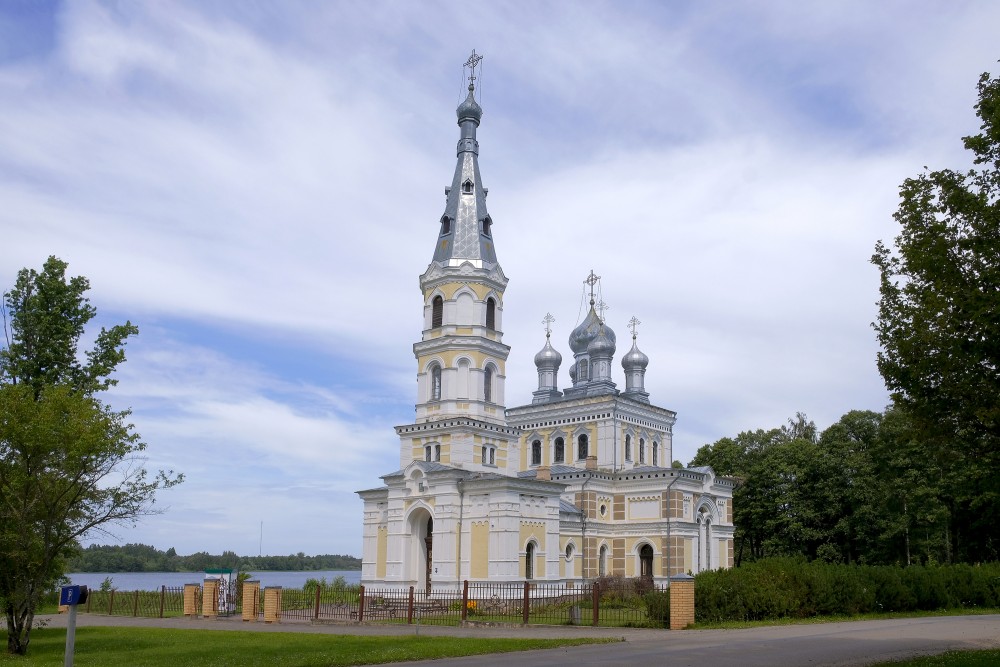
(851,644)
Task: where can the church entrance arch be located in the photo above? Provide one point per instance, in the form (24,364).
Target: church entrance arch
(421,531)
(646,562)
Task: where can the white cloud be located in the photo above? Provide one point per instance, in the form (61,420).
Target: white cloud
(258,188)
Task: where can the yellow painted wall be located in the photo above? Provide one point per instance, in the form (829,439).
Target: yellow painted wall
(532,530)
(450,289)
(381,549)
(480,562)
(689,547)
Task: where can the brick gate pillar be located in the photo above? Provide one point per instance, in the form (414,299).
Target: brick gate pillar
(681,601)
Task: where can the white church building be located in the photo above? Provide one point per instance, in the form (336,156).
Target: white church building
(573,485)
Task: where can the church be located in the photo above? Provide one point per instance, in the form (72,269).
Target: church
(574,485)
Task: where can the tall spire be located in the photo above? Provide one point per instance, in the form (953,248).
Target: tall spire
(466,233)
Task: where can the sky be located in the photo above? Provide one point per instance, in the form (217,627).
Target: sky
(258,186)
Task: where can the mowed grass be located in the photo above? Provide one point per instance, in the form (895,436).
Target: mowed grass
(152,647)
(985,658)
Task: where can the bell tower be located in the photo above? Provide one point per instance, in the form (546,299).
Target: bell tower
(461,357)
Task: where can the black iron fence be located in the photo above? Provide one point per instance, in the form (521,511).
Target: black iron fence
(607,602)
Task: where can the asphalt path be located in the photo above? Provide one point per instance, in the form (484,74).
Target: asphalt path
(845,644)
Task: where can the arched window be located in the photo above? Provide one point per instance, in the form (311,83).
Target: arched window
(656,453)
(529,561)
(445,225)
(560,453)
(628,448)
(602,561)
(484,455)
(435,383)
(583,370)
(581,447)
(642,450)
(427,453)
(536,453)
(493,456)
(488,384)
(467,188)
(437,312)
(437,452)
(487,223)
(491,313)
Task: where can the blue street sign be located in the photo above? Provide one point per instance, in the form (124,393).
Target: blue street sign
(72,595)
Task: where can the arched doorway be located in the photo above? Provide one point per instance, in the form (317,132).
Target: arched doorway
(646,562)
(529,561)
(419,564)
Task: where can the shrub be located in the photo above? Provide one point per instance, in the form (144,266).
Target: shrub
(657,607)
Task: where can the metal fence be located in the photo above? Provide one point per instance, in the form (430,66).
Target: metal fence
(168,601)
(607,602)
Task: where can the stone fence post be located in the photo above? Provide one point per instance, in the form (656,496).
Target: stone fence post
(210,599)
(681,601)
(272,604)
(191,600)
(251,600)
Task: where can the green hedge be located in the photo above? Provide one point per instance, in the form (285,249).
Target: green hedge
(788,587)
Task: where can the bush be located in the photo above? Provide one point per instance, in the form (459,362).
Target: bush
(788,587)
(657,607)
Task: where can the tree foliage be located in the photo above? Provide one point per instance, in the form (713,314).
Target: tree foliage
(872,488)
(143,558)
(69,464)
(939,312)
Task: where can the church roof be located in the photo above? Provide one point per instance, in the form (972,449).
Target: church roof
(465,226)
(556,470)
(566,507)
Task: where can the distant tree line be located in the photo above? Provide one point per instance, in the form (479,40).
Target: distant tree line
(144,558)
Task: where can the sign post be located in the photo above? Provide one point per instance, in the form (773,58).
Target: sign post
(71,596)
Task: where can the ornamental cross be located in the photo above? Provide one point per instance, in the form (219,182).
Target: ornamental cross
(471,64)
(633,324)
(592,280)
(602,308)
(547,321)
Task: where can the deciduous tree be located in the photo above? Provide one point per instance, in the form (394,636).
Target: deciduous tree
(69,464)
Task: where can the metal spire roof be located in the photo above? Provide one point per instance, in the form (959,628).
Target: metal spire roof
(465,233)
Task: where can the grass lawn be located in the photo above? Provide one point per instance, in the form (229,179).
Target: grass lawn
(151,647)
(987,658)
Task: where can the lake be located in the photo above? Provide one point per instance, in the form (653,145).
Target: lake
(151,581)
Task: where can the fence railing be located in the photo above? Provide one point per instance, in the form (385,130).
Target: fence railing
(608,602)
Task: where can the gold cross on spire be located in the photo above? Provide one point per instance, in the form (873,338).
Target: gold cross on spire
(592,280)
(633,324)
(547,321)
(471,63)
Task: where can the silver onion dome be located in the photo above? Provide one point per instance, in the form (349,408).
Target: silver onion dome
(470,109)
(581,337)
(603,344)
(634,358)
(549,356)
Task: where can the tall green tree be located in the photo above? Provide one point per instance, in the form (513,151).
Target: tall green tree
(939,312)
(69,463)
(939,331)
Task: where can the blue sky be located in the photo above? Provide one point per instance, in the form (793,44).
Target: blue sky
(258,185)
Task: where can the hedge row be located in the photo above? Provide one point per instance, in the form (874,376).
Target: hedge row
(787,587)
